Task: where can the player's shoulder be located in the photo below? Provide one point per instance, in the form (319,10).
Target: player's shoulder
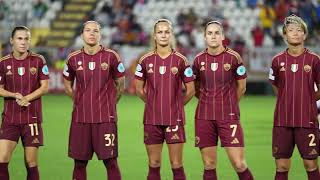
(199,55)
(6,57)
(181,57)
(73,54)
(38,56)
(312,53)
(145,56)
(277,56)
(234,54)
(113,52)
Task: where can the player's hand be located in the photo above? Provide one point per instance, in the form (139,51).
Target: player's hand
(18,96)
(23,101)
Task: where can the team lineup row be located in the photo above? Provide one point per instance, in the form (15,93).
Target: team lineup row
(165,82)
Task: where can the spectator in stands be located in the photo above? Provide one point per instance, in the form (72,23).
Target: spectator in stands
(39,9)
(257,35)
(3,9)
(267,17)
(281,9)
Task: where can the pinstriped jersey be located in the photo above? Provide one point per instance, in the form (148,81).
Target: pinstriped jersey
(22,76)
(164,80)
(95,90)
(295,78)
(218,75)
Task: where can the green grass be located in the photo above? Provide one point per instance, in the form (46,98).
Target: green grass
(256,118)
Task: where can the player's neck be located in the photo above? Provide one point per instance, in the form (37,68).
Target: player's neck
(295,50)
(91,50)
(20,56)
(163,52)
(216,51)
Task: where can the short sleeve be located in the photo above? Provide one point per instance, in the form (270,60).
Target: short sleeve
(117,67)
(196,69)
(43,69)
(140,72)
(273,72)
(68,70)
(317,71)
(187,75)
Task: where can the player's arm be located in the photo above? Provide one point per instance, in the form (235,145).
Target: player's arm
(318,92)
(241,88)
(197,88)
(190,92)
(140,90)
(5,93)
(68,87)
(275,90)
(119,82)
(43,89)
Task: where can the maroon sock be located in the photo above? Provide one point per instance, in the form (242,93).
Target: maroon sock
(4,172)
(33,173)
(178,174)
(79,170)
(245,175)
(154,173)
(313,175)
(113,170)
(281,175)
(210,174)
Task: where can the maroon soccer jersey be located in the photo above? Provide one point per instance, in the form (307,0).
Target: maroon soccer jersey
(295,78)
(218,75)
(95,91)
(22,76)
(163,85)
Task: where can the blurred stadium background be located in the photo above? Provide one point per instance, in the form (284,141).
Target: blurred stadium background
(252,28)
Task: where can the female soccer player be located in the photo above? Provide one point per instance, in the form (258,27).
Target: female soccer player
(220,83)
(293,74)
(23,80)
(99,76)
(160,75)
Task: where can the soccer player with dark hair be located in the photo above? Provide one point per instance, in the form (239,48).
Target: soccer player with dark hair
(220,83)
(293,74)
(99,76)
(23,80)
(160,76)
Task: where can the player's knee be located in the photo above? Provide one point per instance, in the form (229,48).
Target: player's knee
(176,164)
(154,163)
(283,167)
(209,164)
(5,157)
(310,165)
(31,163)
(239,166)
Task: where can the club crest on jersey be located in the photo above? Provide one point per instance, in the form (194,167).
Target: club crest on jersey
(92,65)
(307,68)
(162,69)
(21,71)
(227,66)
(294,67)
(33,70)
(214,66)
(174,70)
(104,66)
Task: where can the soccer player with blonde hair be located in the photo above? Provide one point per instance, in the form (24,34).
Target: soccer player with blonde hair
(293,74)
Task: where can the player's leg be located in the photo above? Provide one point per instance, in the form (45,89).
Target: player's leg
(80,148)
(175,138)
(307,140)
(105,144)
(206,139)
(153,140)
(282,148)
(9,136)
(32,139)
(231,135)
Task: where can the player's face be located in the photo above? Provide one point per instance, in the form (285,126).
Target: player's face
(21,41)
(294,34)
(162,34)
(91,34)
(214,36)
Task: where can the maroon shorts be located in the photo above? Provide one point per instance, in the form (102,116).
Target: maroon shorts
(31,134)
(87,138)
(285,138)
(156,134)
(207,133)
